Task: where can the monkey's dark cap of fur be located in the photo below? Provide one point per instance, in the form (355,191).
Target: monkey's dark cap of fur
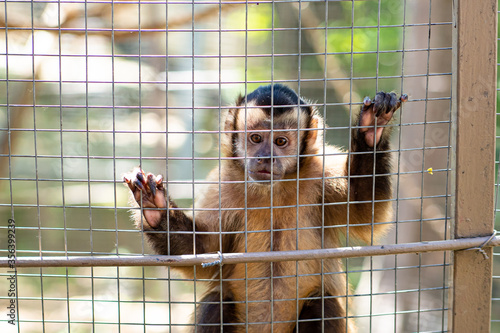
(281,97)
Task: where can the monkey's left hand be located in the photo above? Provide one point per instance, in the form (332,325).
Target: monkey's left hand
(380,110)
(149,192)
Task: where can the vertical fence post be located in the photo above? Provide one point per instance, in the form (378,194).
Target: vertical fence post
(474,100)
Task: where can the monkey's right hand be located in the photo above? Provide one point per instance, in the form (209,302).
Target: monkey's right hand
(149,193)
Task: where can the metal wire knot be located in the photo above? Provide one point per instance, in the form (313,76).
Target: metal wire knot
(480,247)
(213,263)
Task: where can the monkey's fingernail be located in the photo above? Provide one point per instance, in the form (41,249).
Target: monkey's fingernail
(404,98)
(367,101)
(126,179)
(139,184)
(159,182)
(152,183)
(140,176)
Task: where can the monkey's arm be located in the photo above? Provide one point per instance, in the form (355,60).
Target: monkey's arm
(369,146)
(169,230)
(368,167)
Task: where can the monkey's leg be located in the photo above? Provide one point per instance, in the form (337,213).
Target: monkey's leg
(208,313)
(169,232)
(312,314)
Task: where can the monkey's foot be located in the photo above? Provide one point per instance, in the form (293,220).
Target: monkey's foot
(149,193)
(379,112)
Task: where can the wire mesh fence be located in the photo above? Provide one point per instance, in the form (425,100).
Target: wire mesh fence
(93,89)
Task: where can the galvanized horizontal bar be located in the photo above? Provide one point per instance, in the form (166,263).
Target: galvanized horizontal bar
(236,258)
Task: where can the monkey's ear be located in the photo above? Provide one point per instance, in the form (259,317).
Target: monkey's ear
(229,138)
(240,100)
(312,135)
(229,124)
(231,116)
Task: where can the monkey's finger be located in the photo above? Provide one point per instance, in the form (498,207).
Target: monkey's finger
(129,183)
(159,182)
(135,179)
(140,180)
(151,181)
(402,99)
(127,179)
(138,183)
(140,177)
(393,103)
(385,103)
(378,104)
(367,103)
(160,198)
(379,98)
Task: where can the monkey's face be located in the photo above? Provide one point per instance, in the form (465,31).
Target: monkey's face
(269,147)
(268,133)
(271,154)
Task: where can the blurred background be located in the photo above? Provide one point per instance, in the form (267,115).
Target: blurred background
(90,90)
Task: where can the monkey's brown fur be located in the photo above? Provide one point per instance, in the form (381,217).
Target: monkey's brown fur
(329,198)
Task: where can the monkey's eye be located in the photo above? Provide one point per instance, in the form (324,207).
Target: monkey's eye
(281,141)
(255,138)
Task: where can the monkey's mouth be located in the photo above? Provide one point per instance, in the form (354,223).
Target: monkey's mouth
(263,175)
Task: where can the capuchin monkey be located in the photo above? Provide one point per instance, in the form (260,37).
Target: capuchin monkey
(279,189)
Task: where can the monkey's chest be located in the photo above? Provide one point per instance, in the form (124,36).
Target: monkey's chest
(280,229)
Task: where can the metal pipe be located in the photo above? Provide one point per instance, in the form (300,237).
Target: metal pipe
(476,243)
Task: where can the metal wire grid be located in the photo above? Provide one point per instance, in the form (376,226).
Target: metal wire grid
(128,294)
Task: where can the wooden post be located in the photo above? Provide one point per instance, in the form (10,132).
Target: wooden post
(475,65)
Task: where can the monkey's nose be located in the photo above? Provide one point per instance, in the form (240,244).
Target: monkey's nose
(262,160)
